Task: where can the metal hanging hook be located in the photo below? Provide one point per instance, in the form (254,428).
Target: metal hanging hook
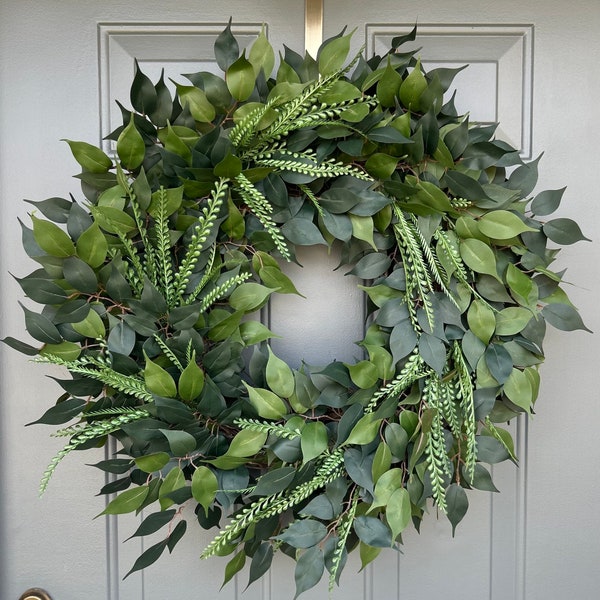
(313,26)
(35,594)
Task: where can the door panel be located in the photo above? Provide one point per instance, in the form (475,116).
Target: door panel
(62,64)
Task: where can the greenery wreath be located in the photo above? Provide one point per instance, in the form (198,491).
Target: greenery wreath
(151,291)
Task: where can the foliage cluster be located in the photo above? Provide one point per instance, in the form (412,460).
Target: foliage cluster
(151,291)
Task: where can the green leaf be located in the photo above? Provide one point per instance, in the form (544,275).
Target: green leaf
(142,94)
(41,328)
(547,202)
(314,440)
(365,431)
(398,511)
(92,246)
(482,320)
(303,533)
(196,102)
(564,317)
(246,443)
(80,275)
(148,557)
(388,86)
(173,481)
(150,463)
(502,225)
(253,332)
(367,554)
(564,231)
(458,505)
(62,412)
(302,232)
(180,442)
(235,565)
(373,532)
(262,55)
(267,404)
(166,202)
(91,327)
(523,289)
(279,376)
(92,159)
(386,485)
(363,373)
(518,390)
(52,239)
(240,78)
(512,320)
(261,561)
(249,297)
(272,277)
(204,487)
(333,54)
(412,88)
(126,502)
(113,220)
(309,569)
(191,381)
(153,522)
(130,146)
(230,167)
(158,381)
(275,481)
(498,361)
(362,229)
(226,48)
(478,256)
(433,352)
(380,165)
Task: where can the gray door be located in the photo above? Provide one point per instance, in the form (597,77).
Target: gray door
(534,68)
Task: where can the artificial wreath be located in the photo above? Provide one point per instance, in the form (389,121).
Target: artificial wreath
(151,290)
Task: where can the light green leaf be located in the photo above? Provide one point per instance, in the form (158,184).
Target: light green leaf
(518,390)
(314,440)
(385,486)
(482,320)
(249,297)
(365,431)
(92,159)
(478,256)
(398,511)
(363,373)
(150,463)
(267,404)
(92,246)
(191,381)
(91,327)
(279,376)
(262,55)
(332,55)
(174,480)
(113,220)
(130,146)
(502,225)
(362,229)
(52,239)
(197,102)
(204,487)
(412,88)
(159,381)
(512,320)
(240,78)
(247,443)
(127,501)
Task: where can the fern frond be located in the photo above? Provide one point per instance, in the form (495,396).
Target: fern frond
(279,431)
(162,246)
(221,290)
(95,369)
(73,430)
(200,234)
(260,206)
(90,432)
(344,529)
(305,164)
(413,370)
(330,469)
(169,353)
(467,408)
(210,272)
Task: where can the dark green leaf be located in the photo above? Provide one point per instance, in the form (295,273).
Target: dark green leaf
(303,533)
(373,532)
(564,231)
(61,413)
(149,556)
(564,317)
(153,522)
(309,569)
(227,49)
(274,481)
(143,96)
(458,505)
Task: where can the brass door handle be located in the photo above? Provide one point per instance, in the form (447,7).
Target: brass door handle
(35,594)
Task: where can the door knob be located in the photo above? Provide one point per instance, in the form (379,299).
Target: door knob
(35,594)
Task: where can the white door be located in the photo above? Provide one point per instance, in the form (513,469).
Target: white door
(533,68)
